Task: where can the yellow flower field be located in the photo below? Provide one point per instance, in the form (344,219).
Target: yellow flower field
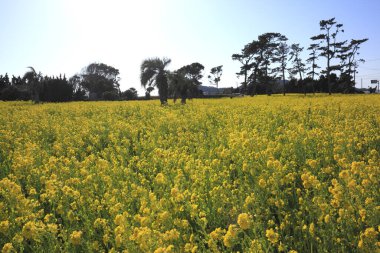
(253,174)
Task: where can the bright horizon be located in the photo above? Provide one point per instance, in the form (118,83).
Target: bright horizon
(62,37)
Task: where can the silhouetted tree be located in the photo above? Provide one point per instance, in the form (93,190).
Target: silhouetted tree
(250,58)
(281,56)
(16,81)
(98,78)
(312,60)
(79,93)
(268,44)
(216,73)
(111,95)
(130,94)
(245,58)
(4,81)
(330,30)
(186,80)
(298,66)
(154,74)
(179,86)
(33,81)
(56,89)
(348,55)
(148,91)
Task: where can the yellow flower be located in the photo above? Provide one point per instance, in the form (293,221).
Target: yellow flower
(312,228)
(160,178)
(230,236)
(370,233)
(160,250)
(217,234)
(171,235)
(362,213)
(4,226)
(327,218)
(118,240)
(244,221)
(119,220)
(262,183)
(312,163)
(76,237)
(344,174)
(272,235)
(7,248)
(30,230)
(52,228)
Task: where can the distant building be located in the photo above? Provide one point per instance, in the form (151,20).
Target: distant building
(210,90)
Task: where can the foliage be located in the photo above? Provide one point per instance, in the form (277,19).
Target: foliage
(215,75)
(98,78)
(154,74)
(302,175)
(330,47)
(56,89)
(33,81)
(130,94)
(110,95)
(185,81)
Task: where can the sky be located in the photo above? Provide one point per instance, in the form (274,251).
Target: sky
(63,36)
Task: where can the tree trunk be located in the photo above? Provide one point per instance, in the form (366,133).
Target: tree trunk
(328,62)
(245,82)
(283,80)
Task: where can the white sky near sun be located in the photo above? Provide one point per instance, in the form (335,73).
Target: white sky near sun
(63,36)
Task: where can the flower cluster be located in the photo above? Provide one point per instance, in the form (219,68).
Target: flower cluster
(254,174)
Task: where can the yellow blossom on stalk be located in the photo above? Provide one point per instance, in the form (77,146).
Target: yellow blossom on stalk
(160,178)
(7,248)
(262,183)
(30,230)
(272,235)
(244,221)
(217,234)
(312,163)
(309,180)
(118,240)
(362,213)
(160,250)
(76,237)
(312,228)
(52,228)
(327,218)
(344,174)
(212,245)
(370,233)
(4,226)
(119,219)
(171,235)
(230,237)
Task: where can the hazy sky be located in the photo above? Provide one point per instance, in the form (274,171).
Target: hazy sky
(63,36)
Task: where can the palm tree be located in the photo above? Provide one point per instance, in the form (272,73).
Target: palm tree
(33,80)
(153,74)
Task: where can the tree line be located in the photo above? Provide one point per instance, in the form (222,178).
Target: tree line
(265,62)
(97,81)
